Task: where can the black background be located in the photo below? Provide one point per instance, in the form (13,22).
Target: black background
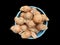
(10,9)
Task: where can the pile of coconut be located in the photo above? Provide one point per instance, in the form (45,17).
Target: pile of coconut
(29,23)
